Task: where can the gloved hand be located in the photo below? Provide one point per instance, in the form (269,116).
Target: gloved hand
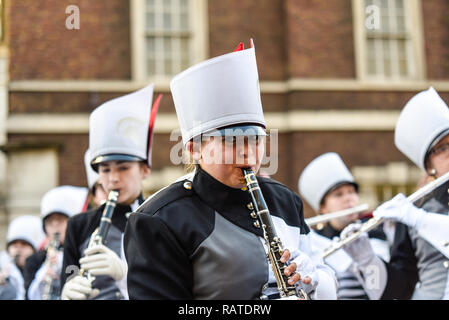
(78,288)
(360,249)
(306,268)
(100,260)
(400,209)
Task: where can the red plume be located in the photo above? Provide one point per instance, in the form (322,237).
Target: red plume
(240,47)
(151,125)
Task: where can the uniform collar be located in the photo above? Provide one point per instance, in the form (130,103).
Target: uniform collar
(233,204)
(329,232)
(119,218)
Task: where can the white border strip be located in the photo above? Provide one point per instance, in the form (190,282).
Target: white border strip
(163,85)
(304,120)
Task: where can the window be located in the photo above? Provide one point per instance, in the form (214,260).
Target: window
(381,183)
(29,175)
(169,36)
(388,39)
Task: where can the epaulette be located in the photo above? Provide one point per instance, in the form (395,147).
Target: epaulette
(169,194)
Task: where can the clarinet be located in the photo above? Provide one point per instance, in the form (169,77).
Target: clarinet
(272,241)
(48,282)
(99,235)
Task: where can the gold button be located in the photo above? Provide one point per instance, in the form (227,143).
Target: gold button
(187,185)
(250,206)
(253,215)
(256,224)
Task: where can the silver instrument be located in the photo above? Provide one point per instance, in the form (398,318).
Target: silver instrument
(374,222)
(53,247)
(337,214)
(99,235)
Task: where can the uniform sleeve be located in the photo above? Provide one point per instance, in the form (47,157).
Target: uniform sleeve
(402,269)
(327,283)
(71,256)
(300,211)
(158,267)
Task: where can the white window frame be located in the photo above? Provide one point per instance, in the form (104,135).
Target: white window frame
(413,10)
(198,47)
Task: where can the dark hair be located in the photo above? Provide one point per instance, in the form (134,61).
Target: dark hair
(338,185)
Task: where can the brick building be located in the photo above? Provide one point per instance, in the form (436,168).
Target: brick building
(334,75)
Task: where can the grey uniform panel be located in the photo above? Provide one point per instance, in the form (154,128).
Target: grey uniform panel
(229,264)
(8,291)
(433,274)
(107,285)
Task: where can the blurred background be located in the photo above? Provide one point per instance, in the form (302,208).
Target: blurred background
(334,75)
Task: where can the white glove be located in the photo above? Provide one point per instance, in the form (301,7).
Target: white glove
(368,268)
(400,209)
(78,288)
(360,249)
(306,268)
(100,260)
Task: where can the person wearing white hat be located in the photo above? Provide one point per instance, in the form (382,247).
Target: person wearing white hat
(43,268)
(418,268)
(120,139)
(328,186)
(96,190)
(23,238)
(200,238)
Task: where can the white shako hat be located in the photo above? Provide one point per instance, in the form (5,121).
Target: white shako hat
(423,122)
(122,129)
(26,228)
(321,175)
(218,93)
(92,176)
(68,200)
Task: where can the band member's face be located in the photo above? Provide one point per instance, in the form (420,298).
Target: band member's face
(56,223)
(22,249)
(344,197)
(439,157)
(224,157)
(124,176)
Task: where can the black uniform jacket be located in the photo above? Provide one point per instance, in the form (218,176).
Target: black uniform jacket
(198,240)
(79,230)
(32,265)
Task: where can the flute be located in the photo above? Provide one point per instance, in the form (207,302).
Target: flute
(374,222)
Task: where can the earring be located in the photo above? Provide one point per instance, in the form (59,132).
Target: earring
(432,173)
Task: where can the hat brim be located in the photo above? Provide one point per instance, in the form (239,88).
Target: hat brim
(113,157)
(234,131)
(338,185)
(440,137)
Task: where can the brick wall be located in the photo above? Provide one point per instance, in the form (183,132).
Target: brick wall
(42,48)
(234,21)
(320,39)
(436,37)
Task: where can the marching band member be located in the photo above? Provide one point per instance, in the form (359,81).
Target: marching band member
(418,267)
(120,139)
(201,239)
(328,186)
(42,269)
(23,238)
(96,190)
